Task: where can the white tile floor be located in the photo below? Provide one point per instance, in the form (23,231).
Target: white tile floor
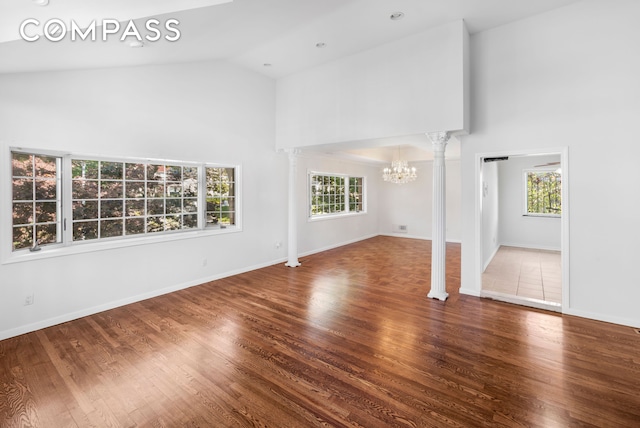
(524,272)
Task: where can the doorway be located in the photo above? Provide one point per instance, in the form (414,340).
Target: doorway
(523,222)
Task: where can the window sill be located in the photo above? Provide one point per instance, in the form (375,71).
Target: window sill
(542,215)
(51,251)
(335,216)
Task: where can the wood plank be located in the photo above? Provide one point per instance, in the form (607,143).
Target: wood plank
(347,339)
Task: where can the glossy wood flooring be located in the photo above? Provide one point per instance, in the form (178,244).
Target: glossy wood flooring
(347,339)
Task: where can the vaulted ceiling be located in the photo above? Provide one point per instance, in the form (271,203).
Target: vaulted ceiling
(272,37)
(283,33)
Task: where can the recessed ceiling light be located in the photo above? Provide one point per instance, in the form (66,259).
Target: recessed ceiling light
(396,16)
(321,45)
(41,2)
(266,64)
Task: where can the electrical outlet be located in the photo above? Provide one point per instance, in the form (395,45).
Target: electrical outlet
(278,244)
(204,262)
(28,300)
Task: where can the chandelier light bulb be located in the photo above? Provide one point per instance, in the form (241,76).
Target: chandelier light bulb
(399,172)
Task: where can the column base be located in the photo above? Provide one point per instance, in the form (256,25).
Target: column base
(293,264)
(440,295)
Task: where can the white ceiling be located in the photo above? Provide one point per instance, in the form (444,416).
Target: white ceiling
(250,33)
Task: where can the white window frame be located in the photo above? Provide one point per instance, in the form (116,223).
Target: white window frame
(347,212)
(525,198)
(68,246)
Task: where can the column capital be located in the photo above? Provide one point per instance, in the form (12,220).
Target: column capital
(439,139)
(291,151)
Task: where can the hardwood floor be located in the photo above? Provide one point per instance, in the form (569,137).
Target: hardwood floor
(347,339)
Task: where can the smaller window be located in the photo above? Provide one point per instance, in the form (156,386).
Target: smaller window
(543,190)
(36,200)
(221,197)
(335,195)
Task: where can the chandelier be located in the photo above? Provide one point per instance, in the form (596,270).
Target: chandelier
(399,173)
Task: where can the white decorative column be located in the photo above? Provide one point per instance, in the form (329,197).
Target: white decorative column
(438,244)
(292,235)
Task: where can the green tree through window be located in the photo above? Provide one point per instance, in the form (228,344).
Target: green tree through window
(335,194)
(544,192)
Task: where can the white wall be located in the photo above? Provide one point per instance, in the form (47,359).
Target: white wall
(517,230)
(568,78)
(200,112)
(411,86)
(411,205)
(206,111)
(317,235)
(490,212)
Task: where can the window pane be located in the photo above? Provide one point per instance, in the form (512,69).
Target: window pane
(46,166)
(174,206)
(110,228)
(111,209)
(111,189)
(22,190)
(111,170)
(190,221)
(155,224)
(84,189)
(134,226)
(155,206)
(85,230)
(134,171)
(46,212)
(22,213)
(135,207)
(22,237)
(190,173)
(85,210)
(190,187)
(155,172)
(172,222)
(47,233)
(22,165)
(84,169)
(155,190)
(190,205)
(135,189)
(174,173)
(174,190)
(46,190)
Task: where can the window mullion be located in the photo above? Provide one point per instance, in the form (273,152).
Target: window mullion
(202,197)
(66,203)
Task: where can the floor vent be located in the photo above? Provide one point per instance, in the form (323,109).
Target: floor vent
(637,330)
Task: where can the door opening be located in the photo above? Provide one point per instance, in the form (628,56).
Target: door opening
(523,222)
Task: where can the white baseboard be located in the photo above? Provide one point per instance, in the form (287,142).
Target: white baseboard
(331,247)
(533,247)
(602,317)
(28,328)
(495,251)
(469,292)
(424,238)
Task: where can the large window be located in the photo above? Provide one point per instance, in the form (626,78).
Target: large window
(110,199)
(543,190)
(335,194)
